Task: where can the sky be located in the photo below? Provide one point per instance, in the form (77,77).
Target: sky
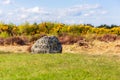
(95,12)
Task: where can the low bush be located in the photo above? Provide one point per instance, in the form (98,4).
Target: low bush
(4,35)
(26,39)
(68,39)
(14,41)
(108,38)
(1,41)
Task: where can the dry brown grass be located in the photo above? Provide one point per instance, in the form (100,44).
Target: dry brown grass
(11,48)
(94,47)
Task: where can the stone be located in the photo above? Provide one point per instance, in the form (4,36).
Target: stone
(47,44)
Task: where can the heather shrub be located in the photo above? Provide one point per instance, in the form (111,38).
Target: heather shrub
(107,38)
(69,39)
(14,41)
(1,41)
(26,39)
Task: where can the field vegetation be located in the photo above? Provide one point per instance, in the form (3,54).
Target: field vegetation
(25,66)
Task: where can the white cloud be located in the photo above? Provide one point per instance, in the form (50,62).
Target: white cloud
(104,12)
(23,16)
(10,13)
(74,11)
(90,13)
(31,14)
(74,14)
(1,12)
(87,14)
(78,10)
(7,2)
(94,13)
(84,7)
(36,9)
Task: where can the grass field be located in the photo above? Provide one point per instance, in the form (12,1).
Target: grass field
(25,66)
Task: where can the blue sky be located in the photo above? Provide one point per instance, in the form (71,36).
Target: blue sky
(94,12)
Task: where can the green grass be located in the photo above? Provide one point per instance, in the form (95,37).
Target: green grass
(59,67)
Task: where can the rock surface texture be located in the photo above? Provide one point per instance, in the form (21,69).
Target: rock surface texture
(47,44)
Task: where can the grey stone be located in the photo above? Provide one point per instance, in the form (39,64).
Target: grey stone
(47,44)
